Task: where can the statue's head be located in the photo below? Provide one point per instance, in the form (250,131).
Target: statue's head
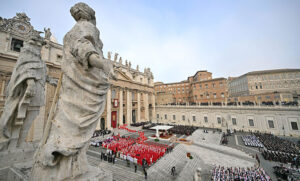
(82,11)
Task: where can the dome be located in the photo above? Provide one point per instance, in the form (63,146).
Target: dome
(53,39)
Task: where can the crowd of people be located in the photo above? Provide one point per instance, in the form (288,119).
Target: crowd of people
(139,124)
(176,129)
(274,143)
(278,156)
(278,149)
(125,128)
(252,140)
(182,129)
(132,149)
(287,173)
(220,173)
(100,133)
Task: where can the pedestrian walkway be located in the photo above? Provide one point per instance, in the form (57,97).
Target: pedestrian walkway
(162,169)
(119,171)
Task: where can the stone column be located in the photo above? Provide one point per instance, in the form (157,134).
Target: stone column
(129,107)
(146,105)
(138,107)
(153,107)
(108,109)
(121,107)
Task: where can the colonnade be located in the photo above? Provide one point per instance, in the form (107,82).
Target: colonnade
(129,106)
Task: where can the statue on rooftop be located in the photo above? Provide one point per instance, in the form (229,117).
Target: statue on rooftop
(82,99)
(47,33)
(116,57)
(109,55)
(22,17)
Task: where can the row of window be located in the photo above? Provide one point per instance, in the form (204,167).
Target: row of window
(294,125)
(213,85)
(276,76)
(208,96)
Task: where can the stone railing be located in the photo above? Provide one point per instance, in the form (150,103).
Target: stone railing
(231,106)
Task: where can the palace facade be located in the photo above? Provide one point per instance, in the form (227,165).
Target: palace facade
(200,88)
(278,86)
(269,87)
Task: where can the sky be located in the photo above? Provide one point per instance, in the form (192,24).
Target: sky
(176,38)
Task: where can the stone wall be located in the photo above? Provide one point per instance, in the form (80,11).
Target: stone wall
(276,120)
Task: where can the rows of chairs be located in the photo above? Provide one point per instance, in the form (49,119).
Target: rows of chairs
(278,156)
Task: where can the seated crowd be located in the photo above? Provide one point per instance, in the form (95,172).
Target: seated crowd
(239,174)
(139,124)
(274,143)
(177,129)
(278,149)
(287,173)
(252,140)
(182,129)
(278,156)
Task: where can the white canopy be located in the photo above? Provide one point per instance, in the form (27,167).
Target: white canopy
(162,127)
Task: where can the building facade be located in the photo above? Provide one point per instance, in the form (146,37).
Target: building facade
(130,99)
(177,92)
(277,120)
(198,89)
(281,85)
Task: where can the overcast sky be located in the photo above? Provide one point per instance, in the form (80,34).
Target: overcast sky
(176,38)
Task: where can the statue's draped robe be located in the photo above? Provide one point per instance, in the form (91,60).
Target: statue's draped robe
(28,66)
(81,102)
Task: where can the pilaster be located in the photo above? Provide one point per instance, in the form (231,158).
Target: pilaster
(138,106)
(121,107)
(108,109)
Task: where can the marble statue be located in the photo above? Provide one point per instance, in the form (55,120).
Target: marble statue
(120,60)
(81,102)
(26,94)
(116,57)
(109,55)
(47,33)
(129,64)
(126,63)
(137,67)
